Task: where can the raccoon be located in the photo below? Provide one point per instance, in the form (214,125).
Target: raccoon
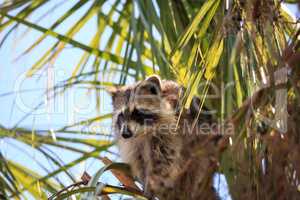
(155,135)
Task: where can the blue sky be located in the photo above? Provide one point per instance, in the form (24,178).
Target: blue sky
(75,105)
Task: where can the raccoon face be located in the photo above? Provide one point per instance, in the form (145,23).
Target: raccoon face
(140,108)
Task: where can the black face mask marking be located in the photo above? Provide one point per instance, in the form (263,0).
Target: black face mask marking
(120,120)
(140,116)
(143,117)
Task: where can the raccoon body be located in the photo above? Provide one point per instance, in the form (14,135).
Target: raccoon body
(169,156)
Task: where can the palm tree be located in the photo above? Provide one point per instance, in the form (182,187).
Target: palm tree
(246,51)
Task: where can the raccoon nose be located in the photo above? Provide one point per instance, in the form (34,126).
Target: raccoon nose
(126,132)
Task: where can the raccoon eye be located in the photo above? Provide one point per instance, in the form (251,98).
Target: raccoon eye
(120,120)
(143,116)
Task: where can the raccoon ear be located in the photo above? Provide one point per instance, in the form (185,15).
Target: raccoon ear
(113,91)
(120,95)
(154,79)
(155,82)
